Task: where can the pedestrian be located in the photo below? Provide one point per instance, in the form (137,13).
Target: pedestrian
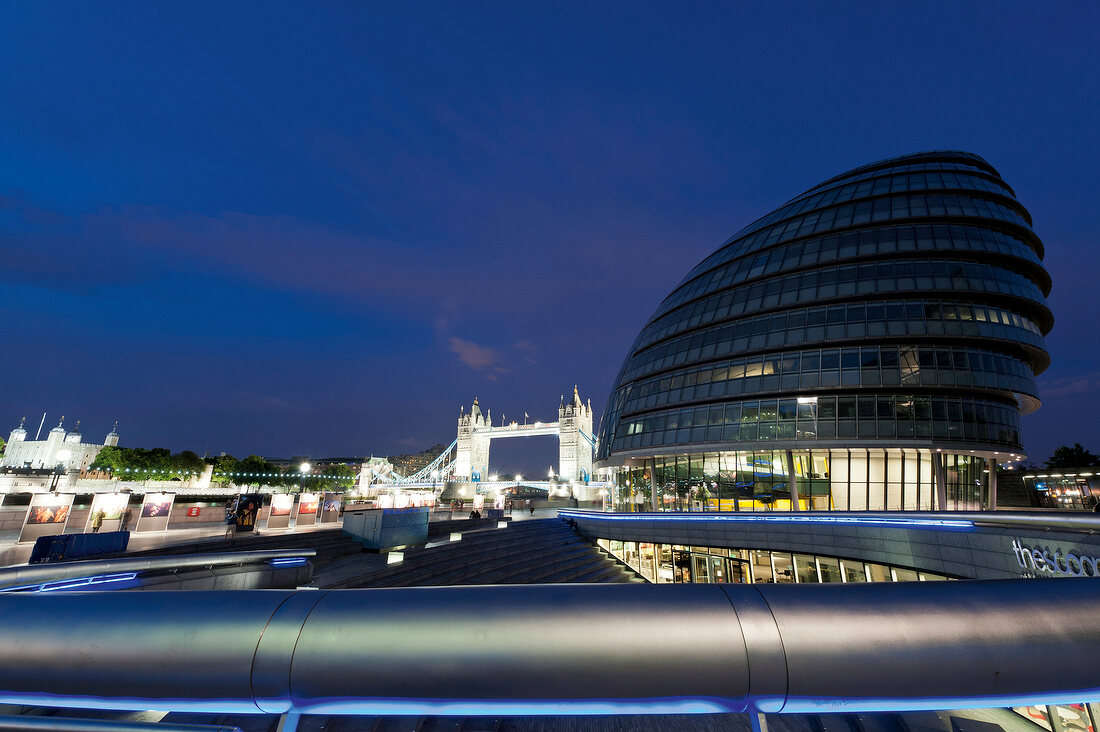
(230,519)
(530,507)
(97,520)
(126,520)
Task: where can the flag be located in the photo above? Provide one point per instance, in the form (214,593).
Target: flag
(525,415)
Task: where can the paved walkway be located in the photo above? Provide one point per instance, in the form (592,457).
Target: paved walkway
(12,553)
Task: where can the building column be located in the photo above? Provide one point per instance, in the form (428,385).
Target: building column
(792,481)
(992,463)
(653,503)
(940,474)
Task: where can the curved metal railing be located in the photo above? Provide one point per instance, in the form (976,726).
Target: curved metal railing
(559,649)
(27,577)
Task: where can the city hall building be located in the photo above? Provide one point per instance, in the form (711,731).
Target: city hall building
(870,345)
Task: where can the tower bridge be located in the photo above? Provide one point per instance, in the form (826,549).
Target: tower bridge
(573,428)
(466,459)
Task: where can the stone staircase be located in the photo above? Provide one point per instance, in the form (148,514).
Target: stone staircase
(535,551)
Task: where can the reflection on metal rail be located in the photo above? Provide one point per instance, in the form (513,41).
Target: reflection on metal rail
(62,724)
(97,571)
(558,649)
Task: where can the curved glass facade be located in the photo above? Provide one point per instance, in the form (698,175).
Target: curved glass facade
(893,312)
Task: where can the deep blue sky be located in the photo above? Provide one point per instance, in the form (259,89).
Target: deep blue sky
(303,229)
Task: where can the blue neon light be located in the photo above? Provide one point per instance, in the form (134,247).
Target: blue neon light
(74,583)
(814,518)
(287,561)
(520,707)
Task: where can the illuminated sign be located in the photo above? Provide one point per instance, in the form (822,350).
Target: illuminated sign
(1043,560)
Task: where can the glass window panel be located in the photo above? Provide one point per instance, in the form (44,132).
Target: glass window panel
(852,571)
(784,567)
(761,566)
(805,568)
(904,575)
(830,569)
(878,572)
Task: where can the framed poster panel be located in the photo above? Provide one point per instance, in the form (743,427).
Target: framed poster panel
(106,512)
(155,510)
(282,504)
(46,516)
(248,510)
(330,508)
(307,509)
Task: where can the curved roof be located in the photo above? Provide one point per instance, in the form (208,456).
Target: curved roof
(919,275)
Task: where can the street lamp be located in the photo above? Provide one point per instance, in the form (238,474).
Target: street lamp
(303,470)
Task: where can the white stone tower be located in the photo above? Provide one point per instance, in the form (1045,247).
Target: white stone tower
(112,436)
(472,450)
(574,450)
(74,437)
(18,434)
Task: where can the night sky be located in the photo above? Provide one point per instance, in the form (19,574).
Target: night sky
(302,229)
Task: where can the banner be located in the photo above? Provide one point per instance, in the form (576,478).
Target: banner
(155,511)
(282,504)
(106,512)
(248,508)
(330,509)
(307,509)
(46,516)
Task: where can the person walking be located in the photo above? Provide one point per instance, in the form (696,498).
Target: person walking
(97,520)
(230,519)
(126,520)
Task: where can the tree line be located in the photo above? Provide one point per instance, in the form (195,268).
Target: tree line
(160,464)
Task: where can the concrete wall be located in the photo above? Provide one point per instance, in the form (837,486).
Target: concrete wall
(984,551)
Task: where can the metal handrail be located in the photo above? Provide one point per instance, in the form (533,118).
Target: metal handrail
(70,724)
(38,574)
(1078,522)
(559,649)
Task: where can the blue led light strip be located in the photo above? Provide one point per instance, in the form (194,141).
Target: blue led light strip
(76,582)
(815,518)
(287,561)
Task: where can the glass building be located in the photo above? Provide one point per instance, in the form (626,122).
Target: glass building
(870,345)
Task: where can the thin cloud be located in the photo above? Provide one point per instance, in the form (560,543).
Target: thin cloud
(479,358)
(1070,386)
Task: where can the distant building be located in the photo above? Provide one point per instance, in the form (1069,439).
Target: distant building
(408,464)
(60,449)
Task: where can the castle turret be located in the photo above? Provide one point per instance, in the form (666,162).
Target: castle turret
(112,436)
(18,434)
(74,437)
(57,435)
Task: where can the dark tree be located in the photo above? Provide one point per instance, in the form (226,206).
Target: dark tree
(1072,457)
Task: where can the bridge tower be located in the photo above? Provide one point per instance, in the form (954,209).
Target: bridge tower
(574,450)
(472,450)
